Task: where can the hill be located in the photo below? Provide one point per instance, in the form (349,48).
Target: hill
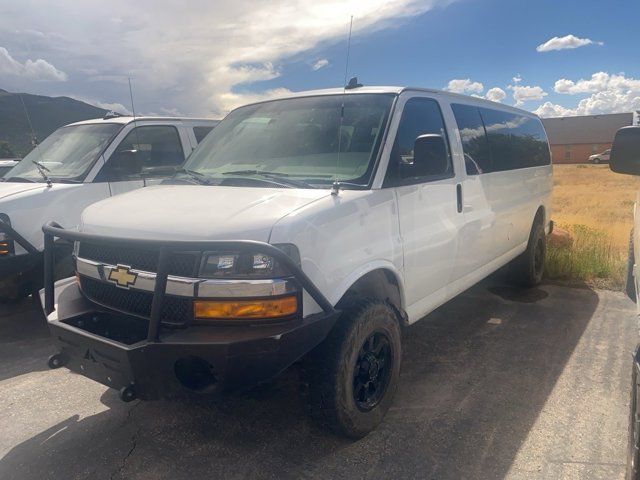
(47,114)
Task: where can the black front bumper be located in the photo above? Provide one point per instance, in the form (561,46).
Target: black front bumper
(145,357)
(112,349)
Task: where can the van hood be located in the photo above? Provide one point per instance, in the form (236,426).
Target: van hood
(8,189)
(196,212)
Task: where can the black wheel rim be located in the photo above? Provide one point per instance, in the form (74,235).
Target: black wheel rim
(372,371)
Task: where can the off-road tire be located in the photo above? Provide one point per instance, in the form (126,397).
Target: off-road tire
(330,369)
(630,286)
(527,269)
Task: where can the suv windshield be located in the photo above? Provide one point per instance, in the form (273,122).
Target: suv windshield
(307,141)
(66,154)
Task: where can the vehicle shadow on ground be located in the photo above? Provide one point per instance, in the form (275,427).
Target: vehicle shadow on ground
(24,338)
(476,374)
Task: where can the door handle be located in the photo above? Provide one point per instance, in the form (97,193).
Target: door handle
(459,196)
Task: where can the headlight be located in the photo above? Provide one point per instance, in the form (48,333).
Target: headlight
(6,243)
(235,265)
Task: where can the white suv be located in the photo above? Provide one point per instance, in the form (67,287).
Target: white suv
(311,226)
(76,166)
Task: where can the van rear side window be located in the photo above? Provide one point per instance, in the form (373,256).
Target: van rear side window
(495,140)
(516,141)
(477,156)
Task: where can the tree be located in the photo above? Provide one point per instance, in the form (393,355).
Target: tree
(6,151)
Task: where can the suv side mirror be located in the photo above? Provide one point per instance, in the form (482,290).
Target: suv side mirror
(625,152)
(430,157)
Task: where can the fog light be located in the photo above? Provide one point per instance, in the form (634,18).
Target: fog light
(246,309)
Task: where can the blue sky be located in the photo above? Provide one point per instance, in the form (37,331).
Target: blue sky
(218,56)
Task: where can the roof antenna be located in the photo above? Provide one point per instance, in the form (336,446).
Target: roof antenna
(34,139)
(335,189)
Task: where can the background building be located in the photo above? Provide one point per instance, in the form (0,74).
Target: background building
(573,139)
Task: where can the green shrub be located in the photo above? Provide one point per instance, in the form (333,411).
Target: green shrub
(591,257)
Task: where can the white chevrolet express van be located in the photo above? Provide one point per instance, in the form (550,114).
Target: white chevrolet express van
(73,167)
(312,226)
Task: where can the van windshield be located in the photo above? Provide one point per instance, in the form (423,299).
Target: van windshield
(306,140)
(66,154)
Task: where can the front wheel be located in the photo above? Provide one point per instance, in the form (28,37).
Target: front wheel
(353,374)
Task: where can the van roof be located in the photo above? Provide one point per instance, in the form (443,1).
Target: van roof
(398,90)
(125,119)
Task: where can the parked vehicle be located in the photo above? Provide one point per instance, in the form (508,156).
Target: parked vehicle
(600,157)
(625,158)
(314,226)
(73,167)
(7,164)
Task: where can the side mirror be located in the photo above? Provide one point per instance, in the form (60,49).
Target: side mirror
(430,158)
(625,152)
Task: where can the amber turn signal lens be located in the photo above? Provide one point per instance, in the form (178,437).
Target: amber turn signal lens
(246,309)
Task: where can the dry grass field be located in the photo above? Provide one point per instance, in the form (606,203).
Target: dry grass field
(596,206)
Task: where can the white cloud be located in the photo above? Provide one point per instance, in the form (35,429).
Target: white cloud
(464,85)
(496,94)
(517,78)
(599,82)
(525,93)
(209,65)
(548,109)
(115,107)
(609,93)
(39,70)
(565,43)
(323,62)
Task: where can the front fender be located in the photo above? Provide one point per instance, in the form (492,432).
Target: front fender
(339,291)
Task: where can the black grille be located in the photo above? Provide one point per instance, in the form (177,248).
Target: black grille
(175,310)
(180,264)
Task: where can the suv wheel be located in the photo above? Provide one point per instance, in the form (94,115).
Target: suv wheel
(353,374)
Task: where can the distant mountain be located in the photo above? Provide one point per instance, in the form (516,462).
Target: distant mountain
(47,114)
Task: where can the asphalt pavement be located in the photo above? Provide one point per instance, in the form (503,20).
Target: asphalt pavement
(496,384)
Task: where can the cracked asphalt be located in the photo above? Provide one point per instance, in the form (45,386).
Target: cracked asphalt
(496,384)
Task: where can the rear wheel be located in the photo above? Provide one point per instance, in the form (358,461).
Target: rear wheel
(527,269)
(353,374)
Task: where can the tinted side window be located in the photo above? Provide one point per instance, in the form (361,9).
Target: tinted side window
(420,116)
(151,150)
(516,141)
(477,156)
(201,132)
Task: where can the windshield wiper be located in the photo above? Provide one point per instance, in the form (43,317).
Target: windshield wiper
(200,178)
(42,170)
(281,178)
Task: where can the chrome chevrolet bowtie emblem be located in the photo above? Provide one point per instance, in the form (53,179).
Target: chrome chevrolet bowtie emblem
(122,276)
